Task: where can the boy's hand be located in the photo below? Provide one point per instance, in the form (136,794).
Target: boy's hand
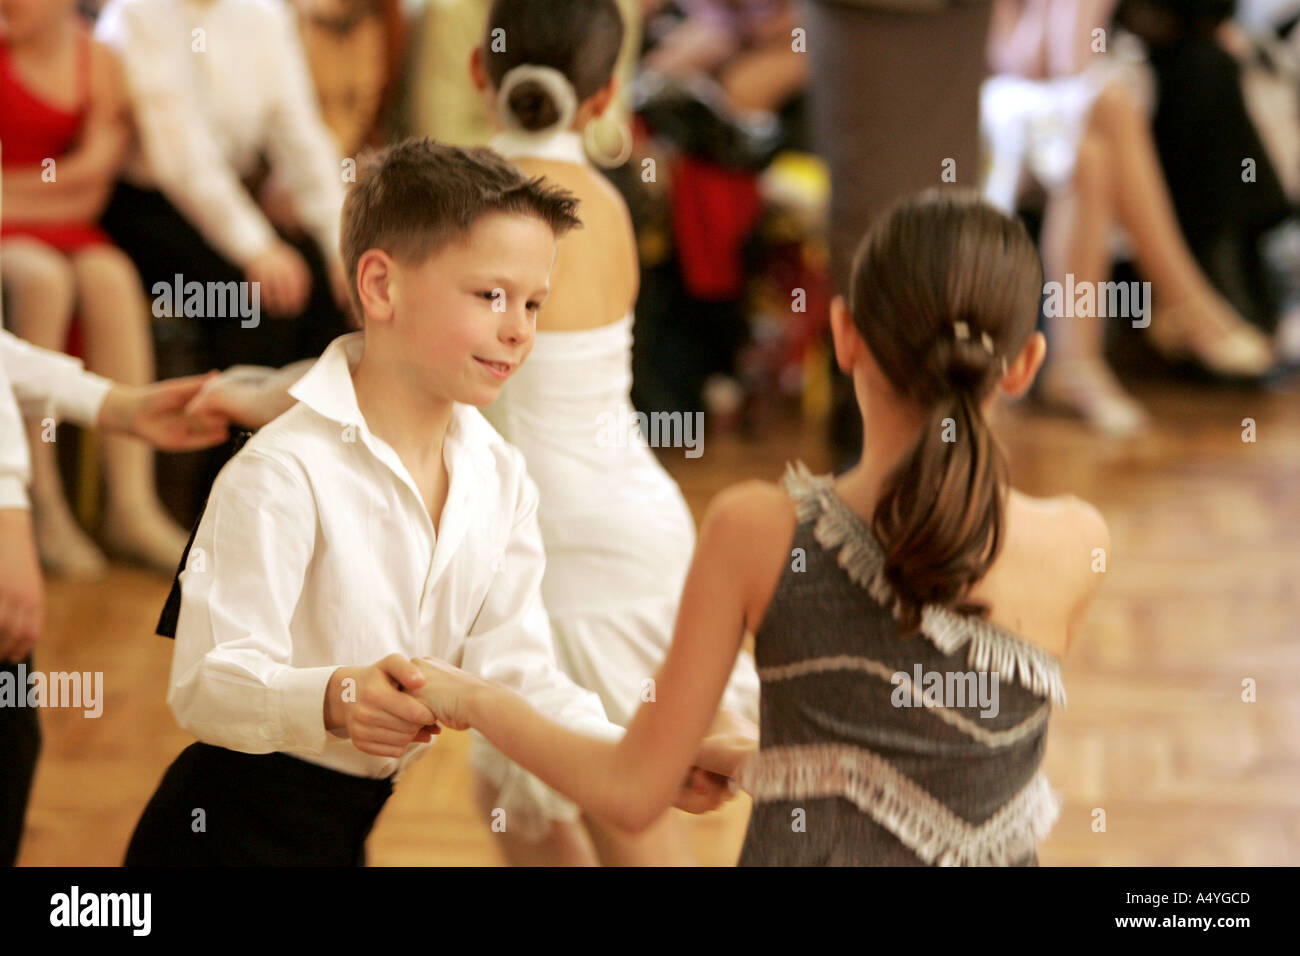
(725,754)
(22,591)
(157,413)
(447,691)
(704,792)
(732,740)
(370,704)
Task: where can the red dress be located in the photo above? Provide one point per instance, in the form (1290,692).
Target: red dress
(32,130)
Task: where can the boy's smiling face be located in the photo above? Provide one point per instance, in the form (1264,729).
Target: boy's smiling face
(465,317)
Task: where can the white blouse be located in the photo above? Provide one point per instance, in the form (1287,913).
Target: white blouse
(215,83)
(39,383)
(316,551)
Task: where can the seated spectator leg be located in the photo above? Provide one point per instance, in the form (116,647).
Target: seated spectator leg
(41,286)
(1075,241)
(1207,324)
(115,321)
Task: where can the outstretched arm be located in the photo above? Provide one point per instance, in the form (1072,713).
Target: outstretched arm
(250,395)
(632,782)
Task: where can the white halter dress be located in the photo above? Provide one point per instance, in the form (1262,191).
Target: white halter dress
(618,534)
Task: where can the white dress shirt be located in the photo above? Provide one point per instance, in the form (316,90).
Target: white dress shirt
(42,384)
(205,117)
(316,551)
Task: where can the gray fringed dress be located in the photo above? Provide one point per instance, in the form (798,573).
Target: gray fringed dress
(878,749)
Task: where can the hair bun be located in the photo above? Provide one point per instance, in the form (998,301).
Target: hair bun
(533,106)
(535,98)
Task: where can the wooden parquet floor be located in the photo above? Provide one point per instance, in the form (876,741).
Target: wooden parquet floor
(1202,594)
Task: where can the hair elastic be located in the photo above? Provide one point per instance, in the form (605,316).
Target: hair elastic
(550,79)
(961,332)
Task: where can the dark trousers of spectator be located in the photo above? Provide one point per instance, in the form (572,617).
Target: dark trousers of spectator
(163,244)
(20,745)
(1203,133)
(894,97)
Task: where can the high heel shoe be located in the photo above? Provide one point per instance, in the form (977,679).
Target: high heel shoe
(66,552)
(1207,333)
(145,536)
(1088,388)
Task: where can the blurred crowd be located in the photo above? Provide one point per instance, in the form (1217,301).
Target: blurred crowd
(150,144)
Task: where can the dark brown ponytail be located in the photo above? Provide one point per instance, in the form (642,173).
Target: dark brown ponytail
(945,291)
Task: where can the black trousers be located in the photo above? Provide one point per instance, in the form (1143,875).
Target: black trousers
(1202,132)
(218,807)
(20,745)
(162,244)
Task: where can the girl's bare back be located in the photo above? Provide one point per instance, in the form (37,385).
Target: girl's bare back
(596,272)
(1038,588)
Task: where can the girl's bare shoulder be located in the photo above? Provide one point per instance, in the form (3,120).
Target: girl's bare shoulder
(107,77)
(1064,535)
(753,524)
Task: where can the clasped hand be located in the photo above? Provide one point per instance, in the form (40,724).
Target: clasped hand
(394,703)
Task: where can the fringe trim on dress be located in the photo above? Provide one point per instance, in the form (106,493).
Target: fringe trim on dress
(923,824)
(972,728)
(859,554)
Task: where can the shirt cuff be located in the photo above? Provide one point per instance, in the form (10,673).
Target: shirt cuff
(80,397)
(302,707)
(13,493)
(244,245)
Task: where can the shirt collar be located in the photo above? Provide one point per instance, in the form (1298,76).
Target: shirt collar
(328,390)
(563,145)
(327,387)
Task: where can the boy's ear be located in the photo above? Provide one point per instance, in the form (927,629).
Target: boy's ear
(375,285)
(1021,373)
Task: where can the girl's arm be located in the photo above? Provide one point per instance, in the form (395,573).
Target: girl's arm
(632,782)
(84,176)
